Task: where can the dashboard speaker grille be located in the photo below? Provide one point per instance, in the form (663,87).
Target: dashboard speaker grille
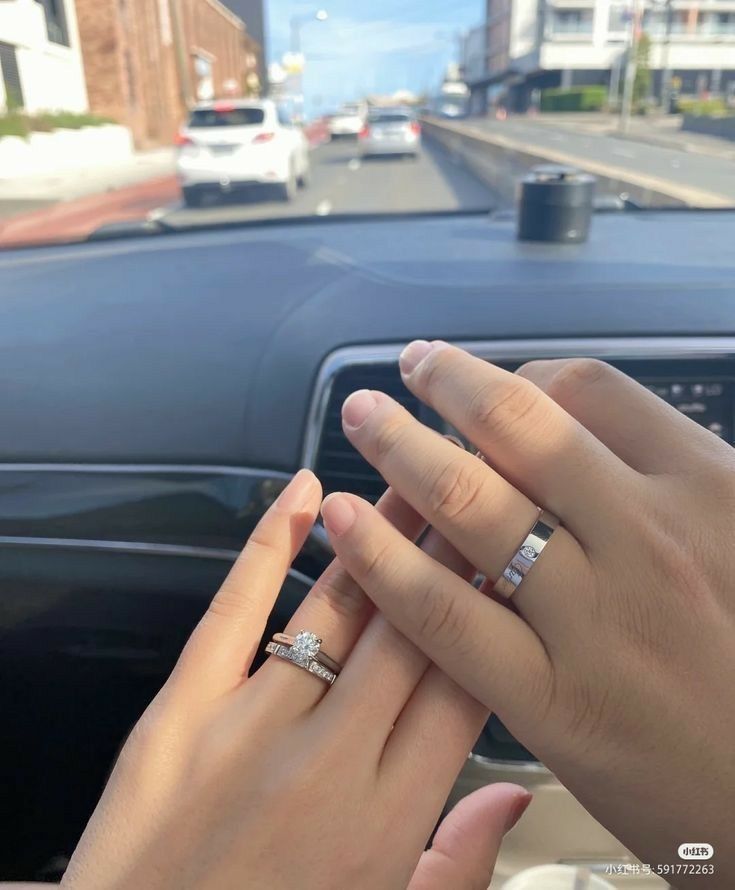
(338,465)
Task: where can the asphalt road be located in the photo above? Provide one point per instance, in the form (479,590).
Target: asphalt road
(342,182)
(711,174)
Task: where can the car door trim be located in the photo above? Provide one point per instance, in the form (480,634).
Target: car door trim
(135,548)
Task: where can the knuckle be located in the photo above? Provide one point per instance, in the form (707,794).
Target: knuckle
(576,375)
(388,439)
(453,491)
(444,619)
(261,546)
(377,565)
(340,594)
(433,371)
(228,602)
(498,411)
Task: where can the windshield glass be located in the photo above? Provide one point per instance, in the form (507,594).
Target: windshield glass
(176,114)
(219,117)
(390,118)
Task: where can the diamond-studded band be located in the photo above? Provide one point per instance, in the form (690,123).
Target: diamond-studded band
(304,650)
(527,554)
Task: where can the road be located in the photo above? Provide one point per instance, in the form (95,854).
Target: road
(342,182)
(715,175)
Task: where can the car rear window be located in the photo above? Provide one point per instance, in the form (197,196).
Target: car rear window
(232,117)
(391,119)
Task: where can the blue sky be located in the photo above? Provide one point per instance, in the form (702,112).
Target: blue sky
(375,46)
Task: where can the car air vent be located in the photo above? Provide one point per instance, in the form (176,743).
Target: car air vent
(339,466)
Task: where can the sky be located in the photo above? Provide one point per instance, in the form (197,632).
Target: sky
(371,46)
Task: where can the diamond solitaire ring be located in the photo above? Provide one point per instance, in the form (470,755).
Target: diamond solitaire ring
(304,650)
(527,554)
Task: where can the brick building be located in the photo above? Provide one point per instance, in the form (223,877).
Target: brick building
(146,61)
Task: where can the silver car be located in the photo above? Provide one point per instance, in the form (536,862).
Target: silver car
(391,132)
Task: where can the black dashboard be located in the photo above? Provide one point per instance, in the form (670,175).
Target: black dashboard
(156,394)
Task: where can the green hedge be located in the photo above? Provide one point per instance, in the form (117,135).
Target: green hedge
(591,98)
(16,124)
(711,107)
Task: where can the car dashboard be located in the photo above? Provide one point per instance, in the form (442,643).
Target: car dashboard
(157,393)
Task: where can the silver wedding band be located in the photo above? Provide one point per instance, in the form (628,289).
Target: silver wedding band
(304,650)
(527,554)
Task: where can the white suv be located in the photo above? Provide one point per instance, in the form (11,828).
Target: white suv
(227,145)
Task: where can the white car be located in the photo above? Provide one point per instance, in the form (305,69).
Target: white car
(228,145)
(348,121)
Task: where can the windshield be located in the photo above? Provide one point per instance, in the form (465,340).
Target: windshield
(168,115)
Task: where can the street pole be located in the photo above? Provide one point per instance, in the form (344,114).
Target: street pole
(630,71)
(296,34)
(182,58)
(665,47)
(296,23)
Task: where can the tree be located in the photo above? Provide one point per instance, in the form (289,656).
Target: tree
(642,82)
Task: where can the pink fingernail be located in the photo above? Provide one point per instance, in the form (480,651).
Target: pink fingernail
(338,514)
(297,492)
(357,408)
(413,354)
(518,809)
(416,352)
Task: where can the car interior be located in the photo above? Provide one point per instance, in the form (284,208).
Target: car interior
(158,392)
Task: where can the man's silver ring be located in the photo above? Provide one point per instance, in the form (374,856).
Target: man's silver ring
(304,650)
(527,554)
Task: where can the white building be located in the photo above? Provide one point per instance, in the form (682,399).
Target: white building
(40,58)
(528,45)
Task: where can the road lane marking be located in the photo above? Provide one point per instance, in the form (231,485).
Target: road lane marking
(623,152)
(323,208)
(354,164)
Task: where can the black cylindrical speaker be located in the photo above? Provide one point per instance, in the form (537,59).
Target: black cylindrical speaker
(555,205)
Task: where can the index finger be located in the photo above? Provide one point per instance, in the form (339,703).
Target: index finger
(223,645)
(487,649)
(524,434)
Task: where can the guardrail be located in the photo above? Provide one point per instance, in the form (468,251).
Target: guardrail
(500,161)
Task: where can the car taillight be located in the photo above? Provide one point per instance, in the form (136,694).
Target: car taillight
(364,133)
(182,139)
(264,137)
(415,128)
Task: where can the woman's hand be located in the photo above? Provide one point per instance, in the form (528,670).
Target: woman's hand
(615,663)
(278,780)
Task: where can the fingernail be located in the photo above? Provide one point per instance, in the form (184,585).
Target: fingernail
(413,354)
(338,514)
(297,492)
(518,809)
(357,407)
(416,352)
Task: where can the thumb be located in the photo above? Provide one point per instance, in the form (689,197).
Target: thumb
(466,843)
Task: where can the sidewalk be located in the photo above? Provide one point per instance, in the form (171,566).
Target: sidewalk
(26,193)
(663,131)
(74,219)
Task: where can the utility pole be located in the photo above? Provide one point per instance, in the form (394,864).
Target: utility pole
(297,22)
(665,47)
(630,69)
(182,56)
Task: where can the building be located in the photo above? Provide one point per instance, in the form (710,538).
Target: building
(40,57)
(148,61)
(253,14)
(528,45)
